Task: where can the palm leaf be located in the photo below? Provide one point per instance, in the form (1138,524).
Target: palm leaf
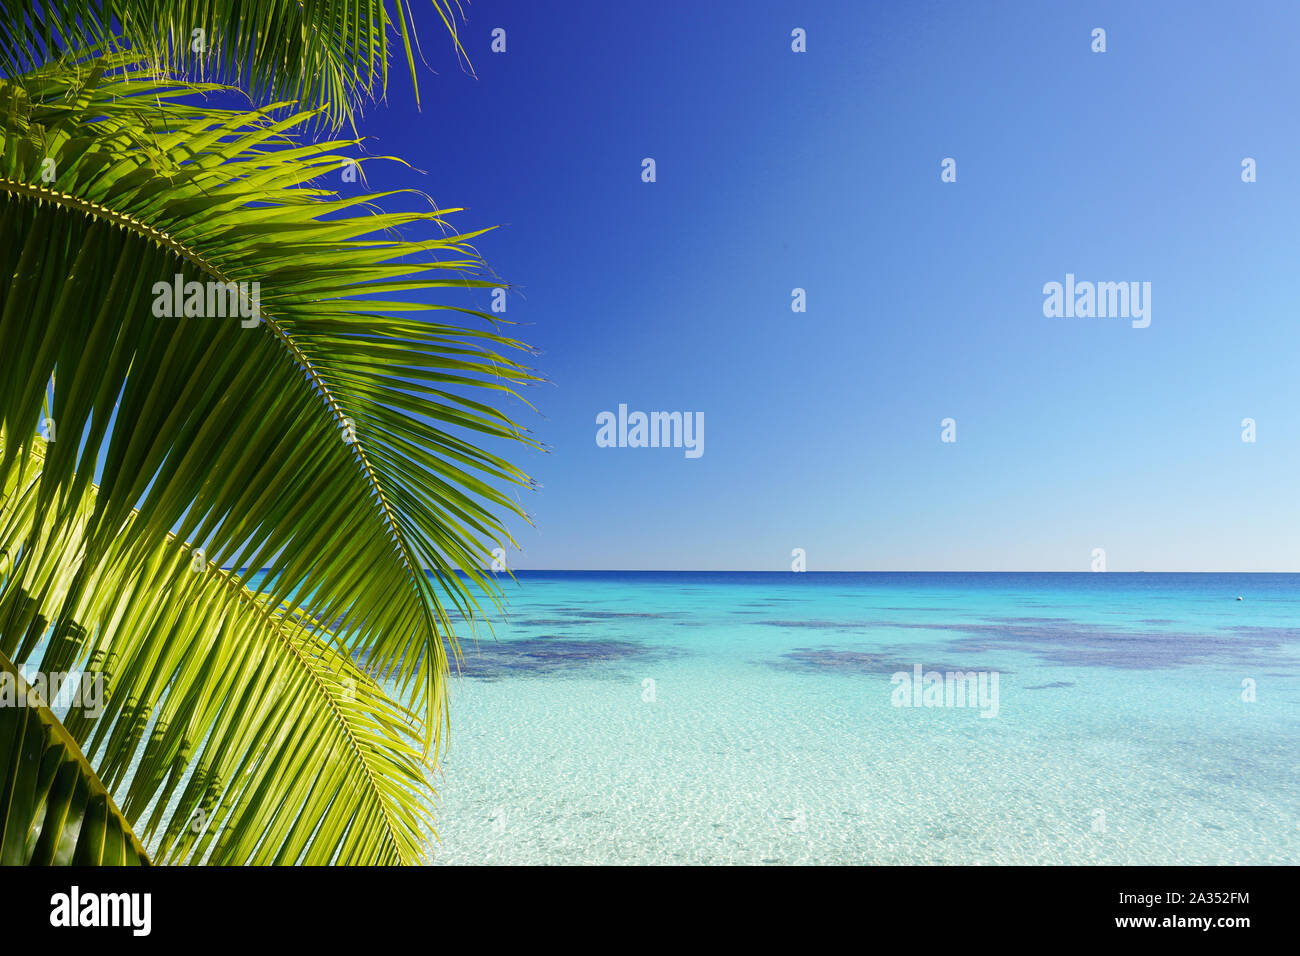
(237,435)
(330,54)
(204,431)
(53,808)
(238,700)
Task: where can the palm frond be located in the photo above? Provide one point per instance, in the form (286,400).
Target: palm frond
(333,443)
(53,808)
(210,700)
(330,54)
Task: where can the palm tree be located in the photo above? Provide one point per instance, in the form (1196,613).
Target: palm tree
(338,440)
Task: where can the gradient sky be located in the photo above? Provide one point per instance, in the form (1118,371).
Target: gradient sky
(821,170)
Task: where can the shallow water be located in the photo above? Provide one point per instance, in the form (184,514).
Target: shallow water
(751,718)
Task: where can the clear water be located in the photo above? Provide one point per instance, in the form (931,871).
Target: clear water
(770,734)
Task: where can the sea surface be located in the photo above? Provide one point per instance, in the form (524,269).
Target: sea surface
(755,718)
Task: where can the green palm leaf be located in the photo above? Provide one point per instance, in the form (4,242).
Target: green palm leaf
(318,53)
(239,700)
(53,808)
(205,431)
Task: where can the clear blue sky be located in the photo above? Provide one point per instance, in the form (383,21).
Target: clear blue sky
(821,170)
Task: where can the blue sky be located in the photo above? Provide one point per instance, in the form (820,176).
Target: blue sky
(821,170)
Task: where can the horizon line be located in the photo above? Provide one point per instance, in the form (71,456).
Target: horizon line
(866,571)
(828,571)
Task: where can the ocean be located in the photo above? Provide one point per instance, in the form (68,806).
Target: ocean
(776,718)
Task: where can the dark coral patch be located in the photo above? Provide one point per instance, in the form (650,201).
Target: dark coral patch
(550,654)
(1059,641)
(822,659)
(821,625)
(620,615)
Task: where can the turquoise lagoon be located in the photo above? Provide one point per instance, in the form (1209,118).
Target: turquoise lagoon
(753,718)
